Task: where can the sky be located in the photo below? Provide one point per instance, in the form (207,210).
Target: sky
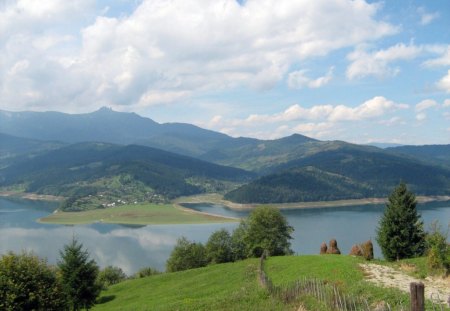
(359,71)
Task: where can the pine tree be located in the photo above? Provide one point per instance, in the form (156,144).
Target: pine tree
(400,233)
(79,275)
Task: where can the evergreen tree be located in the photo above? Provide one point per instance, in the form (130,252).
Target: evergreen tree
(79,276)
(400,233)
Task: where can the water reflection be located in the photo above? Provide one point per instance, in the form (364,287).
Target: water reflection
(134,247)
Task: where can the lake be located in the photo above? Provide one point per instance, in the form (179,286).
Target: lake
(134,247)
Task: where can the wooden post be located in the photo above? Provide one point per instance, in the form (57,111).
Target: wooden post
(417,296)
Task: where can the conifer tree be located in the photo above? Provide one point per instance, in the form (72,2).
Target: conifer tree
(400,233)
(79,276)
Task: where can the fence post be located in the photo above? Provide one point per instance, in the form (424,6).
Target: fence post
(417,296)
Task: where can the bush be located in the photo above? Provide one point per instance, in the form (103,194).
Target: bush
(438,251)
(110,276)
(145,272)
(28,283)
(219,247)
(186,255)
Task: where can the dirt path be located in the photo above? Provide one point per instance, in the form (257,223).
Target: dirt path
(389,277)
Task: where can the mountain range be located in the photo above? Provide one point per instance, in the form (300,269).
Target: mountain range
(53,152)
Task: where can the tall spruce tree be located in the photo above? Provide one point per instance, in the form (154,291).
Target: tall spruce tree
(400,233)
(79,276)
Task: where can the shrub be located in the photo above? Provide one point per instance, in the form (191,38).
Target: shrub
(186,255)
(145,272)
(438,251)
(111,275)
(28,283)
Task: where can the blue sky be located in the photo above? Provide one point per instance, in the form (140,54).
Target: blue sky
(360,71)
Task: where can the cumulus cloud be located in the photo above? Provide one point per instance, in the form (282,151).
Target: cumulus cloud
(316,120)
(378,63)
(444,83)
(298,79)
(163,50)
(446,103)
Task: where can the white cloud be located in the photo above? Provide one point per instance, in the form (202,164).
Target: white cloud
(425,17)
(443,60)
(166,47)
(393,121)
(444,83)
(321,119)
(426,104)
(421,116)
(298,79)
(377,63)
(446,103)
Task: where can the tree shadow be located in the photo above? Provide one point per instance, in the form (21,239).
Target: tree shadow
(105,299)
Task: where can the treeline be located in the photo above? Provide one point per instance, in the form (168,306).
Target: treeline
(299,185)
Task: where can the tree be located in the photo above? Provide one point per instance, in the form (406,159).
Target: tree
(79,276)
(111,275)
(145,272)
(400,233)
(28,283)
(267,229)
(186,255)
(218,247)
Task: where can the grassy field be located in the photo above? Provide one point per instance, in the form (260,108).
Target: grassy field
(235,286)
(137,214)
(219,287)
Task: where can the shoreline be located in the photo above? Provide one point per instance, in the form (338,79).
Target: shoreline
(31,196)
(218,199)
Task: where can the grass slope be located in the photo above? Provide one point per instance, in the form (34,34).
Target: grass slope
(234,286)
(137,214)
(220,287)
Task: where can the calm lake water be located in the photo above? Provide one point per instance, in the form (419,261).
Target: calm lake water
(134,247)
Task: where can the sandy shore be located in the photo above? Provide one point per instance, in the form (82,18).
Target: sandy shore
(218,199)
(31,196)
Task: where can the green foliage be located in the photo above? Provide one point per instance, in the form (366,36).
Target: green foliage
(145,272)
(238,247)
(111,275)
(79,276)
(186,255)
(438,251)
(28,283)
(267,229)
(219,247)
(400,233)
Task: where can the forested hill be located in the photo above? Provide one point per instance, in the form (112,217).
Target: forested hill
(90,169)
(346,172)
(439,154)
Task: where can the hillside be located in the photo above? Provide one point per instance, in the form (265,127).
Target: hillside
(234,286)
(95,174)
(439,154)
(343,171)
(12,148)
